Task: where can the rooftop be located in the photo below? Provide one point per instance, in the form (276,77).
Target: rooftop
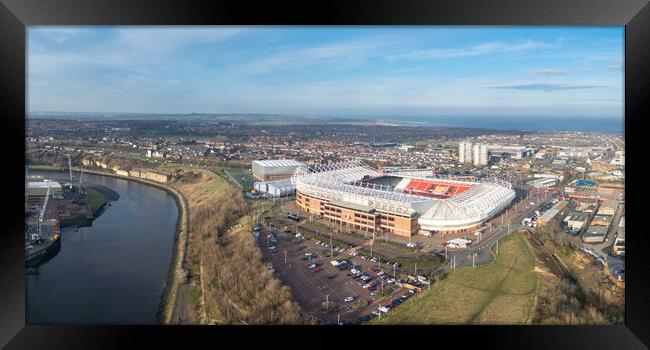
(278,162)
(43,184)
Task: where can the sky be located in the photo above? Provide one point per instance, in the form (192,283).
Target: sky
(511,71)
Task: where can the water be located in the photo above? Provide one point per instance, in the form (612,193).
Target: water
(114,271)
(584,124)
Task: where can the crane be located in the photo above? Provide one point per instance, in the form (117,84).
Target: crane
(41,215)
(81,179)
(69,166)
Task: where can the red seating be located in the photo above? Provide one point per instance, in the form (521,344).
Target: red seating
(434,189)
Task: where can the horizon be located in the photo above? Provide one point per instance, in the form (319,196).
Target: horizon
(361,72)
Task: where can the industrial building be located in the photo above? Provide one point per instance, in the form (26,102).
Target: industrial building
(550,214)
(264,170)
(619,244)
(276,188)
(595,234)
(608,207)
(601,220)
(576,220)
(480,154)
(36,190)
(543,182)
(356,196)
(587,207)
(512,152)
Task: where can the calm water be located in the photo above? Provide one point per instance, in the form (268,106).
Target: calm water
(113,272)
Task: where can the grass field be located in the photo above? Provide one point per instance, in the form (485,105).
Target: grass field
(499,293)
(217,184)
(95,199)
(242,176)
(424,261)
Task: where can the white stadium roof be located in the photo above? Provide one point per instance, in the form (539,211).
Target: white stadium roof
(341,182)
(278,162)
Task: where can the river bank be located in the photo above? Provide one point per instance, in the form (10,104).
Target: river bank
(176,272)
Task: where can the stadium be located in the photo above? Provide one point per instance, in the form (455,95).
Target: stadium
(353,194)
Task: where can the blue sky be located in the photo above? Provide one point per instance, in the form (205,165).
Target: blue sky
(335,71)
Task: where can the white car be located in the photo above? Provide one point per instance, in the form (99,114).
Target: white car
(383,309)
(348,299)
(411,245)
(272,247)
(311,266)
(390,280)
(354,270)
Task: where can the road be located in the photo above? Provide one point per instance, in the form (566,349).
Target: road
(483,249)
(180,313)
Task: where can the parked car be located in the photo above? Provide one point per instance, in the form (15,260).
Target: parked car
(312,266)
(348,299)
(383,309)
(316,269)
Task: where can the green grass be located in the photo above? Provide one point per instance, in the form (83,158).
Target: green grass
(425,261)
(242,175)
(95,199)
(499,293)
(359,303)
(396,245)
(217,185)
(195,295)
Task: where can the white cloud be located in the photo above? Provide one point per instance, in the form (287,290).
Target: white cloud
(164,40)
(346,53)
(59,35)
(551,71)
(476,50)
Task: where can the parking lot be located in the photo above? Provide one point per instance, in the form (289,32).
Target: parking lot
(324,283)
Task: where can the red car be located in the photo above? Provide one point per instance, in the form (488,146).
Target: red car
(316,269)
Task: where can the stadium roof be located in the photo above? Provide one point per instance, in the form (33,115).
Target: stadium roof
(340,182)
(278,162)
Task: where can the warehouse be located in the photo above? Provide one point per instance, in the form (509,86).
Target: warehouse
(548,216)
(586,207)
(619,244)
(37,190)
(543,183)
(264,170)
(595,234)
(576,221)
(276,188)
(608,207)
(601,220)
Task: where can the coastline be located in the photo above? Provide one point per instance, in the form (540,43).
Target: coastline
(179,252)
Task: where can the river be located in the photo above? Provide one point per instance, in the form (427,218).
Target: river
(113,272)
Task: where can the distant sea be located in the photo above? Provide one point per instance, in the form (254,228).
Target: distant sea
(584,124)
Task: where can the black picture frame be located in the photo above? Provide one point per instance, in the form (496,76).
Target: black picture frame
(15,15)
